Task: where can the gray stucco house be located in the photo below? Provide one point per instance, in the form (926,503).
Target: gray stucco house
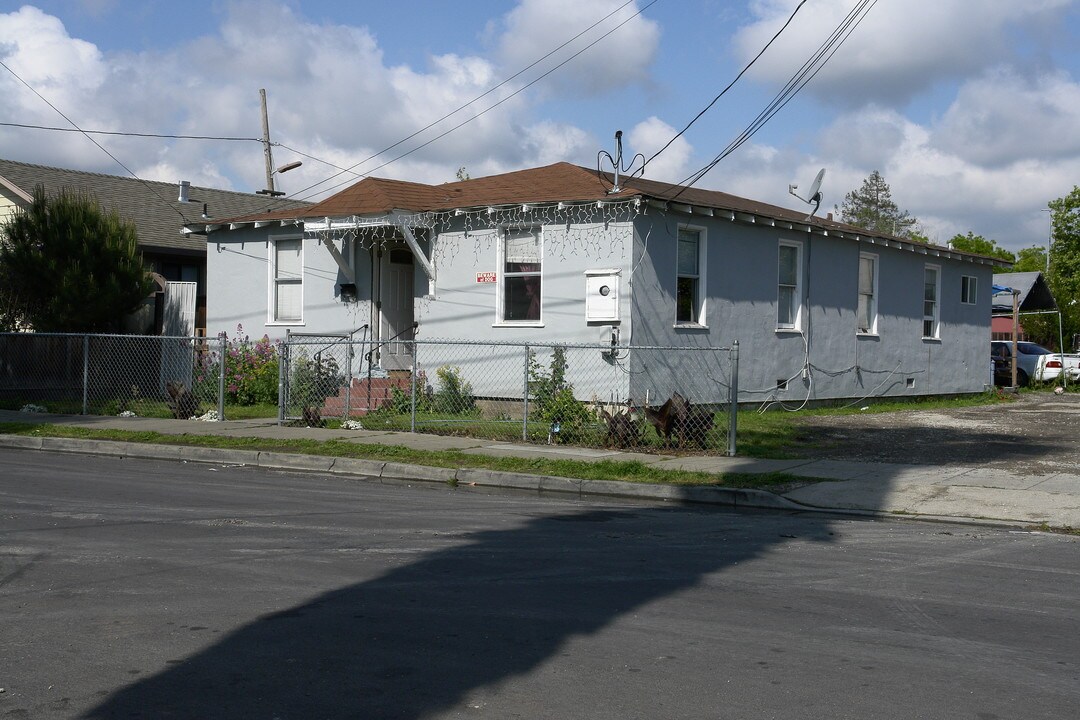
(555,254)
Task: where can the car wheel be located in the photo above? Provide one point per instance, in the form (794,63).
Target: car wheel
(1022,378)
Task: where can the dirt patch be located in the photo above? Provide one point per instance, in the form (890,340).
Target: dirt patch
(1035,434)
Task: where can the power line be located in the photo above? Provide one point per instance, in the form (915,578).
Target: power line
(797,82)
(729,86)
(478,97)
(486,110)
(91,139)
(127,134)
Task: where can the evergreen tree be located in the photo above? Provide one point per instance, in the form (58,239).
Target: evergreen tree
(69,265)
(871,207)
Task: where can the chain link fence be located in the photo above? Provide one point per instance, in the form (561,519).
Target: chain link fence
(179,377)
(630,398)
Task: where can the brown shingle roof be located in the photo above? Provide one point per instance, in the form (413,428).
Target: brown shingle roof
(561,182)
(150,205)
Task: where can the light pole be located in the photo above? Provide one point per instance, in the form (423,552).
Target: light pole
(1049,237)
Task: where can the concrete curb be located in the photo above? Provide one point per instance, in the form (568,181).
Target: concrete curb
(398,472)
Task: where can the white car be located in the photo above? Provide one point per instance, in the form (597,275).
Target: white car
(1034,362)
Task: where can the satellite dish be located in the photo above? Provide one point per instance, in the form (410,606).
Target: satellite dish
(814,197)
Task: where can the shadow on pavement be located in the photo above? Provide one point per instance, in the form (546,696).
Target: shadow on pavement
(422,638)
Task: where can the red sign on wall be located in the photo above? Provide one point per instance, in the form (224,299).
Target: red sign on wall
(485,277)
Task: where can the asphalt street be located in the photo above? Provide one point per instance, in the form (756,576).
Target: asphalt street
(138,588)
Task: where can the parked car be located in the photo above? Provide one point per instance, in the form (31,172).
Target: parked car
(1033,362)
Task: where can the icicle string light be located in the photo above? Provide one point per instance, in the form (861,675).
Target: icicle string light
(591,230)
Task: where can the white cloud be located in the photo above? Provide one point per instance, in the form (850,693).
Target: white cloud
(899,50)
(651,134)
(330,94)
(536,27)
(1003,117)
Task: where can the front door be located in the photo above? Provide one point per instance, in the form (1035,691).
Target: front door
(396,314)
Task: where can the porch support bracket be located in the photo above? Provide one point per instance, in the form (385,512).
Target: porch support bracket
(342,263)
(417,252)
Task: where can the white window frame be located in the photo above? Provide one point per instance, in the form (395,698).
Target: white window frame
(969,290)
(934,316)
(274,282)
(500,309)
(872,303)
(698,319)
(796,325)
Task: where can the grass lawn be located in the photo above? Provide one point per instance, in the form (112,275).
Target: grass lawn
(774,434)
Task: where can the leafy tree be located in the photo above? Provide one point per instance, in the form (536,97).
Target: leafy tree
(71,265)
(1032,259)
(1064,275)
(872,207)
(979,245)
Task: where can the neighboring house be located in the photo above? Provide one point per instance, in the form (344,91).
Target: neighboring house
(152,207)
(821,310)
(1033,296)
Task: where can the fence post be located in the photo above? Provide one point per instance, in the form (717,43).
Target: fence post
(282,373)
(85,374)
(525,394)
(412,390)
(348,379)
(733,399)
(222,347)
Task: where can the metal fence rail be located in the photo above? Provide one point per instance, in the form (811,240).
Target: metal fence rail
(641,398)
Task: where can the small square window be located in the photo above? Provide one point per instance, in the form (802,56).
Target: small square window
(969,289)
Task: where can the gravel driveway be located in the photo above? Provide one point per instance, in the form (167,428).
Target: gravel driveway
(1035,434)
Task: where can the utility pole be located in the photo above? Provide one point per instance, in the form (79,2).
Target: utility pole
(267,154)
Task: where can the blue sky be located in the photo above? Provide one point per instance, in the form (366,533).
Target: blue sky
(969,108)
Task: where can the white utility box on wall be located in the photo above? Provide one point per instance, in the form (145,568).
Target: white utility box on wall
(602,296)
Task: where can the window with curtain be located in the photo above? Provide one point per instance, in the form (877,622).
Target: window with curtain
(522,275)
(690,281)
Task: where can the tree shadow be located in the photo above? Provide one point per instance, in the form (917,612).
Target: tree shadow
(421,638)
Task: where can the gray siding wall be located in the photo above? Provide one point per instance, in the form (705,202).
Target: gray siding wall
(741,304)
(464,309)
(239,281)
(740,284)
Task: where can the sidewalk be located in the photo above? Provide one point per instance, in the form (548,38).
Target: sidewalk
(949,492)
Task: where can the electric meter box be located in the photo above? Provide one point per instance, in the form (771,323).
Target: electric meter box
(602,296)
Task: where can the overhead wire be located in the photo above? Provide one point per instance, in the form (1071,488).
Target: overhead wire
(123,133)
(791,88)
(91,139)
(729,86)
(88,133)
(479,97)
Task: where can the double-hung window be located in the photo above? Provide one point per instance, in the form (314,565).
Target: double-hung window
(690,278)
(969,289)
(522,262)
(931,306)
(866,321)
(287,280)
(789,286)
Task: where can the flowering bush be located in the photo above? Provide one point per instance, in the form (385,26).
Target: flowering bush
(251,370)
